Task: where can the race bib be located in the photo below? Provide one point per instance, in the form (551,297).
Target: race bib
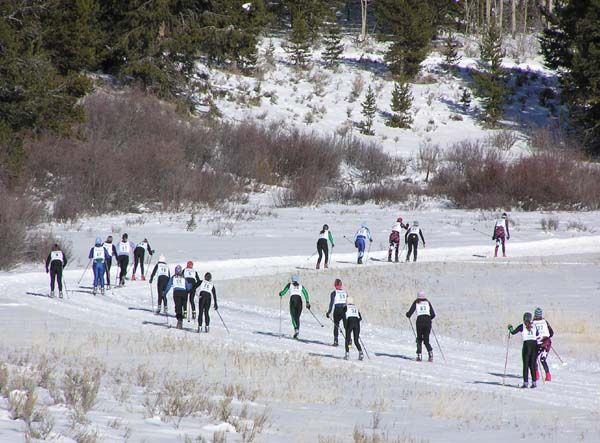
(56,255)
(124,248)
(162,270)
(206,286)
(351,311)
(423,308)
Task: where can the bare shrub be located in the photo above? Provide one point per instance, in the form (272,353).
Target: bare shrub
(358,85)
(18,213)
(84,435)
(544,138)
(370,162)
(251,429)
(428,159)
(379,193)
(503,140)
(577,226)
(3,378)
(224,409)
(549,224)
(21,403)
(42,424)
(39,244)
(144,377)
(178,399)
(219,437)
(81,387)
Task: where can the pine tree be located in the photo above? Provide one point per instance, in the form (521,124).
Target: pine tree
(410,26)
(491,48)
(332,39)
(298,45)
(400,105)
(465,99)
(570,45)
(369,110)
(450,52)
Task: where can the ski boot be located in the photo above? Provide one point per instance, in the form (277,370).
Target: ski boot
(185,314)
(335,342)
(165,310)
(157,311)
(548,377)
(419,357)
(524,385)
(537,374)
(179,324)
(296,333)
(533,385)
(102,291)
(359,261)
(360,356)
(390,257)
(193,315)
(326,266)
(199,329)
(51,294)
(143,277)
(317,267)
(206,328)
(430,359)
(347,356)
(94,290)
(60,294)
(133,277)
(503,255)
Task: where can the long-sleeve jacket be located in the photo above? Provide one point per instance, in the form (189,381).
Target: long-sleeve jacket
(102,259)
(188,285)
(155,270)
(502,223)
(58,261)
(346,310)
(327,236)
(303,290)
(110,248)
(413,308)
(341,296)
(144,245)
(213,290)
(414,231)
(363,232)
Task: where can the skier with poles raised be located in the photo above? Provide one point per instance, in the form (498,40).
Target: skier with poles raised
(124,250)
(139,254)
(180,292)
(112,252)
(360,239)
(55,263)
(412,240)
(529,351)
(544,341)
(501,234)
(395,238)
(99,256)
(352,319)
(425,314)
(337,302)
(296,291)
(207,288)
(325,237)
(161,270)
(192,277)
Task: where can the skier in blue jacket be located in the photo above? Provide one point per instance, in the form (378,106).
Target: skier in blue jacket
(100,256)
(360,239)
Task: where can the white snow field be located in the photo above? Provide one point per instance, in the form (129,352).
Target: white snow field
(105,368)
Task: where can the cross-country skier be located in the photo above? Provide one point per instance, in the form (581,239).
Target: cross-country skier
(360,239)
(501,234)
(395,238)
(207,288)
(529,351)
(55,263)
(99,256)
(425,314)
(323,245)
(139,254)
(124,250)
(161,270)
(112,251)
(412,240)
(180,291)
(544,341)
(191,276)
(296,291)
(337,302)
(352,319)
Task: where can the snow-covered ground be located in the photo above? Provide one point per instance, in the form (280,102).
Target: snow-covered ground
(160,385)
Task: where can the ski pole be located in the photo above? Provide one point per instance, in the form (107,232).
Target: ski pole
(362,343)
(411,327)
(84,271)
(280,335)
(368,252)
(561,360)
(339,329)
(350,241)
(148,265)
(65,285)
(222,321)
(481,232)
(506,359)
(438,343)
(151,296)
(313,314)
(314,253)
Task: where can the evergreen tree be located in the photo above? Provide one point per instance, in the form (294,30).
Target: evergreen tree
(490,83)
(401,104)
(409,25)
(298,45)
(571,46)
(332,39)
(450,52)
(465,99)
(369,110)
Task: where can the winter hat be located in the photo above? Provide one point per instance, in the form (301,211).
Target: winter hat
(178,269)
(538,313)
(363,225)
(504,215)
(109,239)
(349,300)
(295,279)
(190,264)
(98,241)
(399,219)
(208,276)
(421,294)
(337,284)
(416,223)
(527,317)
(161,258)
(125,237)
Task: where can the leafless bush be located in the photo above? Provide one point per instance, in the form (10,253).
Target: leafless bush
(219,437)
(503,140)
(21,403)
(545,138)
(250,429)
(40,243)
(81,387)
(370,162)
(83,435)
(549,224)
(358,84)
(3,378)
(144,377)
(42,424)
(18,213)
(428,159)
(178,399)
(577,226)
(379,193)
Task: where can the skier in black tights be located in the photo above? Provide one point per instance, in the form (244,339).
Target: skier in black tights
(206,290)
(412,240)
(352,319)
(529,351)
(425,314)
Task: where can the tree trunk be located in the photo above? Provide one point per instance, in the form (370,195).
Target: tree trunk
(488,12)
(525,5)
(501,17)
(513,17)
(363,12)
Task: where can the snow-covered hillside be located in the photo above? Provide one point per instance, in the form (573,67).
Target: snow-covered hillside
(329,100)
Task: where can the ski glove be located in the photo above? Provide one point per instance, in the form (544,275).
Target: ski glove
(216,308)
(510,328)
(508,237)
(327,315)
(308,306)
